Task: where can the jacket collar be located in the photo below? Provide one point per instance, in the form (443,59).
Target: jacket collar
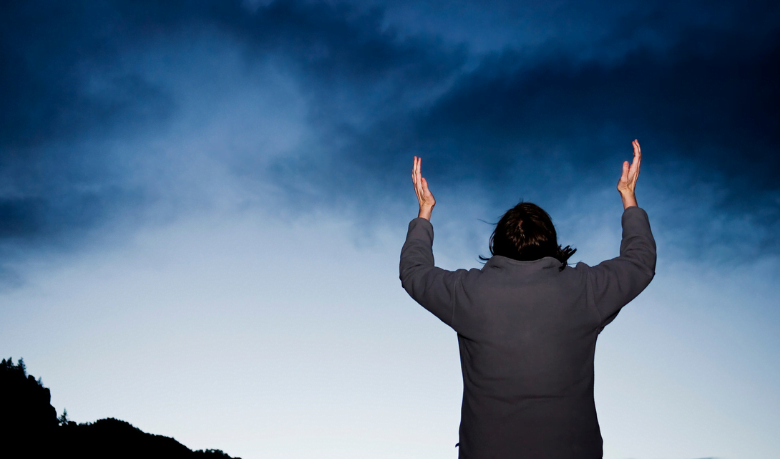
(498,261)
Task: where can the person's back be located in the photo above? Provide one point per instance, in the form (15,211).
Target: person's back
(527,333)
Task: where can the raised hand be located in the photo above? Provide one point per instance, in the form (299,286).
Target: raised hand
(424,195)
(626,186)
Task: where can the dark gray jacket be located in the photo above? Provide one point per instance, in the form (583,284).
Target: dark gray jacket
(527,336)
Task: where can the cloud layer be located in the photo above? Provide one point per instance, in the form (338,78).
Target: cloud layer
(90,93)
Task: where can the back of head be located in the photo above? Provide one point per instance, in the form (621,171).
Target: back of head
(526,233)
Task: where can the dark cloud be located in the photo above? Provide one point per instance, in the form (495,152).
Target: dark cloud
(547,122)
(547,125)
(695,83)
(716,112)
(20,216)
(51,51)
(67,90)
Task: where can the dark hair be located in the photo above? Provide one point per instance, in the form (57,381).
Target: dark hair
(526,233)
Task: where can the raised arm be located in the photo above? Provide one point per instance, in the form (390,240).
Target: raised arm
(430,286)
(427,284)
(613,283)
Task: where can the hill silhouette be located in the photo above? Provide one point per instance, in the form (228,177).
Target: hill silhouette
(30,428)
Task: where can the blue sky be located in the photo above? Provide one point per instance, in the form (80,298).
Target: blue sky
(202,205)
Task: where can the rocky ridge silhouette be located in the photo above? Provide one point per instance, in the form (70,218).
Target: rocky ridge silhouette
(30,428)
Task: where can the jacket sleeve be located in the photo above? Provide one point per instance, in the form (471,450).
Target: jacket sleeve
(430,286)
(614,283)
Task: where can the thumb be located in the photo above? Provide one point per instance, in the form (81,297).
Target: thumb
(625,171)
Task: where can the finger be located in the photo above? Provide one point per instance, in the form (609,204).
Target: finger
(419,172)
(637,161)
(634,169)
(418,177)
(637,150)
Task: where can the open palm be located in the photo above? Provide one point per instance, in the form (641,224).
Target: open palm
(627,184)
(424,195)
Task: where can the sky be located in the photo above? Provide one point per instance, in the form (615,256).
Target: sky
(202,206)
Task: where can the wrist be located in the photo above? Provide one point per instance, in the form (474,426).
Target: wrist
(629,200)
(425,212)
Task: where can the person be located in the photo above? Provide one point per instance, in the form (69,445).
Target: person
(527,324)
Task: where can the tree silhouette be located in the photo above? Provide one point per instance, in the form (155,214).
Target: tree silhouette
(63,419)
(26,415)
